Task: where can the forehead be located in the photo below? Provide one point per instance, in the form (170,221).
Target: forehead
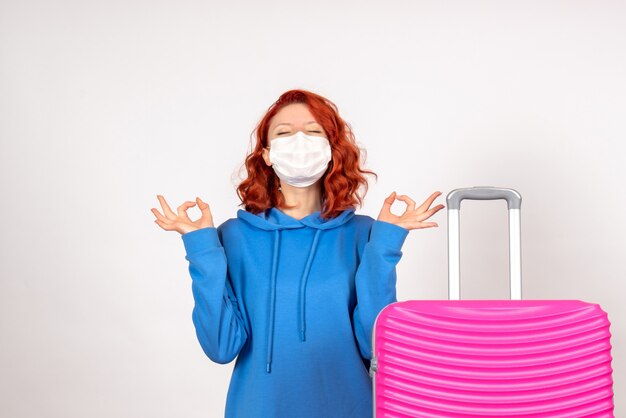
(296,113)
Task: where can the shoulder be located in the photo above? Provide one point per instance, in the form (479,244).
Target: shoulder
(362,226)
(228,230)
(381,232)
(228,224)
(362,222)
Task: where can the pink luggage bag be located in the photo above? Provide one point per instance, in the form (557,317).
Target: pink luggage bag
(491,358)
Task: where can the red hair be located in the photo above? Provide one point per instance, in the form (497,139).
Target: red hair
(343,179)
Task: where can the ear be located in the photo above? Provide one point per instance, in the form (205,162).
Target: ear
(266,156)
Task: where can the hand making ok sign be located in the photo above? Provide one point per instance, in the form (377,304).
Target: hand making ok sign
(412,218)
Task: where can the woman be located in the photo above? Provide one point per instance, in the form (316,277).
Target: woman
(293,284)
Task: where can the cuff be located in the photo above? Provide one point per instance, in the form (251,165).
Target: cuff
(200,239)
(388,234)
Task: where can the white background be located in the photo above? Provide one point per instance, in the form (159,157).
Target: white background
(105,104)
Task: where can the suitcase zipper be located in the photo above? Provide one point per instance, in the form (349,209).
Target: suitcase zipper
(373,366)
(374,360)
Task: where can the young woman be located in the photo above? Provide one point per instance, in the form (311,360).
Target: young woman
(293,284)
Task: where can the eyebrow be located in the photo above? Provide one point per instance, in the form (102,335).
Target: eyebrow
(286,123)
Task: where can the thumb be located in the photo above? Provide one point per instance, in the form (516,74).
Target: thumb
(388,202)
(203,206)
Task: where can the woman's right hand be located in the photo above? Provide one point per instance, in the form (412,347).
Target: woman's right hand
(180,222)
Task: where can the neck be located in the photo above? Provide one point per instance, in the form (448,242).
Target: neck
(305,200)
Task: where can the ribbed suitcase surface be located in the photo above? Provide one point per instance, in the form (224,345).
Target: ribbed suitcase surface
(510,358)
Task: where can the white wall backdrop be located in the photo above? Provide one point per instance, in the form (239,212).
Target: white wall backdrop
(103,105)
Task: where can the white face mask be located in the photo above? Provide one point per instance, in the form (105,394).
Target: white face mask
(299,159)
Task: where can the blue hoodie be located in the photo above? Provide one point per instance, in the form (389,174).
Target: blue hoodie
(295,301)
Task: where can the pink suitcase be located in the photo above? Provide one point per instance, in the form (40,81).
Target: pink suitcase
(491,358)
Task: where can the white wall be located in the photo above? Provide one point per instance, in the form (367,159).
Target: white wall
(105,104)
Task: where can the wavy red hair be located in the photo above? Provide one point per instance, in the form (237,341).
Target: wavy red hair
(344,178)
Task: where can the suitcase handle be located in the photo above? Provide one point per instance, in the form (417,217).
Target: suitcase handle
(512,197)
(514,202)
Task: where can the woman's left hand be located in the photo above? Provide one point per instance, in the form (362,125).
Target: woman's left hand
(411,218)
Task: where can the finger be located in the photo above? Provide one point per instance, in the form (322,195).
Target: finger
(428,202)
(409,202)
(169,213)
(429,213)
(165,225)
(423,225)
(430,224)
(160,217)
(206,218)
(182,210)
(390,199)
(388,202)
(204,207)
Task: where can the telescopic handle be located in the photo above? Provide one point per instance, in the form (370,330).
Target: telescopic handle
(514,202)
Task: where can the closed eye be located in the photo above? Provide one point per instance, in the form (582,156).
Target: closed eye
(316,132)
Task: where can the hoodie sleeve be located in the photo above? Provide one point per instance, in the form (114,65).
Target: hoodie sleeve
(375,279)
(218,322)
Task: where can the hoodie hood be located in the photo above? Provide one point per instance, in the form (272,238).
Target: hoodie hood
(274,221)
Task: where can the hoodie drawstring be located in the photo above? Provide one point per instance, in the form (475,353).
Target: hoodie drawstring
(303,280)
(302,294)
(270,338)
